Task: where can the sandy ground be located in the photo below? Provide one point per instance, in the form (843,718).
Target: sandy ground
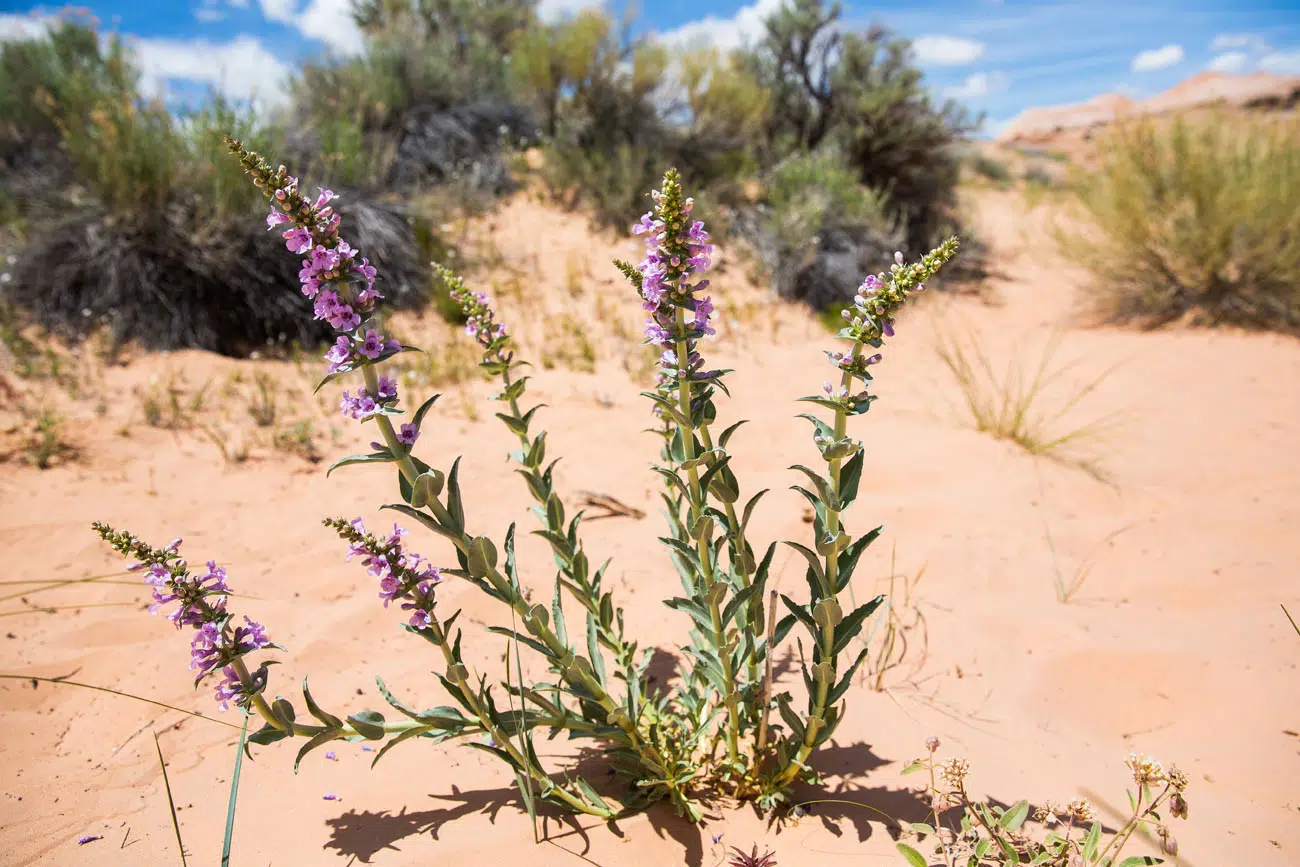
(1175,645)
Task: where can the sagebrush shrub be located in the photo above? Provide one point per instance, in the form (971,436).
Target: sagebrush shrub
(1194,217)
(715,728)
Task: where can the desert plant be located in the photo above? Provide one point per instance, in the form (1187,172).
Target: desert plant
(990,168)
(861,91)
(1194,218)
(1011,406)
(664,744)
(47,440)
(986,834)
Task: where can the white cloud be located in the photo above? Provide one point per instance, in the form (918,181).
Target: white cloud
(551,11)
(725,33)
(1226,41)
(1281,62)
(1158,58)
(331,22)
(279,10)
(1232,61)
(17,27)
(947,50)
(977,85)
(241,69)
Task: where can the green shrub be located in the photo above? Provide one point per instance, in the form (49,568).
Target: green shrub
(990,168)
(1195,218)
(860,91)
(806,193)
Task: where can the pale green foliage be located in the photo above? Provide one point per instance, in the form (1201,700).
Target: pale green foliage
(1021,406)
(1195,217)
(808,192)
(861,91)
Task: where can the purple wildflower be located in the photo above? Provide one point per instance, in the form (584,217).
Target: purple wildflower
(340,354)
(403,575)
(331,756)
(298,239)
(89,838)
(329,796)
(373,344)
(408,435)
(229,689)
(200,599)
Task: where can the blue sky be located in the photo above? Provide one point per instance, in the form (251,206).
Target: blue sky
(995,56)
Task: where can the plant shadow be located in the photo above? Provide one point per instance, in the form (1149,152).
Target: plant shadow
(361,835)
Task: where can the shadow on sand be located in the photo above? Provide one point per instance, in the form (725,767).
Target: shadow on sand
(840,805)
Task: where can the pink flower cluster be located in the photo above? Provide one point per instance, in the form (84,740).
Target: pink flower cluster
(202,599)
(402,575)
(331,273)
(677,252)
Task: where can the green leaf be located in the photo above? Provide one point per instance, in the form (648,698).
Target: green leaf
(369,724)
(1015,816)
(319,740)
(593,648)
(1090,842)
(230,804)
(590,793)
(918,765)
(922,828)
(749,509)
(532,643)
(383,457)
(848,559)
(833,405)
(482,556)
(424,408)
(814,562)
(406,735)
(828,496)
(326,719)
(843,686)
(913,857)
(1140,861)
(517,425)
(823,429)
(726,434)
(851,625)
(800,613)
(850,475)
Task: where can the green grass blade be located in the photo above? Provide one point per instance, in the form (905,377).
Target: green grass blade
(234,795)
(171,802)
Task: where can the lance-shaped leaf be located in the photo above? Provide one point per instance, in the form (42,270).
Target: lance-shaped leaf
(850,476)
(326,719)
(851,625)
(368,723)
(726,434)
(848,559)
(840,688)
(317,741)
(814,562)
(380,457)
(404,736)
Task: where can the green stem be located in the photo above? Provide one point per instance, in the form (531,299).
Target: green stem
(395,446)
(458,674)
(697,496)
(746,563)
(827,636)
(622,652)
